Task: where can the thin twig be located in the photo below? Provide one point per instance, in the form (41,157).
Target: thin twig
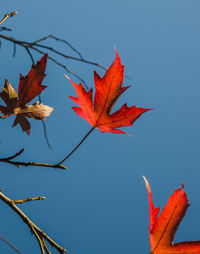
(10,244)
(38,239)
(15,155)
(35,45)
(29,53)
(45,134)
(4,28)
(32,163)
(44,125)
(29,163)
(6,16)
(45,246)
(28,199)
(39,234)
(58,39)
(84,138)
(14,50)
(40,100)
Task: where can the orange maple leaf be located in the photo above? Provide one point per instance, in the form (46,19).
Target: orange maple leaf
(162,228)
(108,90)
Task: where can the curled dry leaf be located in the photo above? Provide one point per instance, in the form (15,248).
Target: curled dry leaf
(162,228)
(29,87)
(108,90)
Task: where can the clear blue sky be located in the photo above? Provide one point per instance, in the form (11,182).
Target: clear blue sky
(100,204)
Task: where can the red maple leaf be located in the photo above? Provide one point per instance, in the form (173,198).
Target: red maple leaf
(162,228)
(29,87)
(108,90)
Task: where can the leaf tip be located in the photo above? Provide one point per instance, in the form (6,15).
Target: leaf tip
(14,13)
(147,184)
(67,77)
(116,53)
(130,135)
(44,58)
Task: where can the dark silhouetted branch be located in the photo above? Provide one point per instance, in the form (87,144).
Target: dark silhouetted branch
(30,163)
(10,244)
(36,46)
(3,28)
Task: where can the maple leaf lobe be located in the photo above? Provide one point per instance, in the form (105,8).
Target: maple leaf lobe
(163,228)
(153,212)
(23,122)
(9,96)
(30,85)
(107,90)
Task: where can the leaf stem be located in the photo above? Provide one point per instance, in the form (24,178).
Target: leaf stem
(84,138)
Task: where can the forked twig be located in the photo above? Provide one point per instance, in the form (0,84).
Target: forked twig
(29,163)
(61,40)
(39,234)
(36,46)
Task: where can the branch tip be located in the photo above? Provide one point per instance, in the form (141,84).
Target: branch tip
(13,13)
(66,77)
(7,15)
(19,164)
(40,235)
(28,199)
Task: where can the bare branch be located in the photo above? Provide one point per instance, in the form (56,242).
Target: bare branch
(28,199)
(4,28)
(45,128)
(15,155)
(29,163)
(45,134)
(38,239)
(10,244)
(45,247)
(39,234)
(14,50)
(36,47)
(58,39)
(6,16)
(28,52)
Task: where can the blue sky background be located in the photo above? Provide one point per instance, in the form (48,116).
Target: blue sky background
(100,204)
